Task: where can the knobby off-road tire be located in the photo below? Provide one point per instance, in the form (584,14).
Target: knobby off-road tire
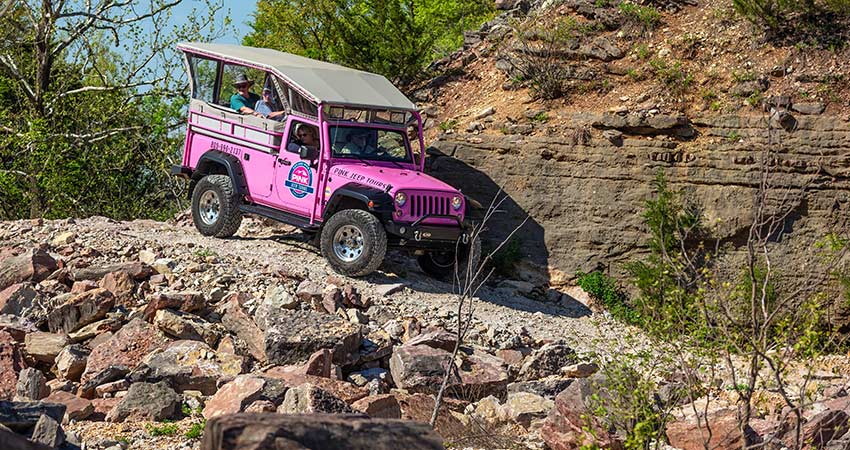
(215,206)
(354,242)
(441,265)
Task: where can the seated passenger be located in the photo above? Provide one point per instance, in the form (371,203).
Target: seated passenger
(267,107)
(358,144)
(244,100)
(307,135)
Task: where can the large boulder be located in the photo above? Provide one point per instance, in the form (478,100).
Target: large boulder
(244,391)
(181,325)
(344,390)
(571,424)
(298,334)
(17,298)
(71,362)
(352,432)
(547,361)
(309,399)
(481,374)
(126,348)
(44,347)
(687,433)
(32,386)
(33,265)
(146,401)
(190,301)
(237,320)
(24,415)
(80,310)
(419,368)
(189,365)
(76,408)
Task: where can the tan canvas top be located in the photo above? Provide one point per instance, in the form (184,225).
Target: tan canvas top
(324,82)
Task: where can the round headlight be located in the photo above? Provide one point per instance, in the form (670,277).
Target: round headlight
(400,198)
(456,202)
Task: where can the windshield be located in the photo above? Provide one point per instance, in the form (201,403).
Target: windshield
(369,144)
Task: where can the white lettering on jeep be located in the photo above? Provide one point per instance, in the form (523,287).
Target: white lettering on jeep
(363,179)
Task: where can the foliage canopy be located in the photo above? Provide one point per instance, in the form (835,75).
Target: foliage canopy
(395,38)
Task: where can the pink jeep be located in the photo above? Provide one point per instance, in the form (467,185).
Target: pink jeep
(327,149)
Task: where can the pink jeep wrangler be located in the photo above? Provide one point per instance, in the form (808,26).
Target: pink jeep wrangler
(327,149)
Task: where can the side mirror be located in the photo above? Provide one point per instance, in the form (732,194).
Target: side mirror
(308,153)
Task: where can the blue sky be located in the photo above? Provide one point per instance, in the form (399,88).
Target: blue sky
(240,14)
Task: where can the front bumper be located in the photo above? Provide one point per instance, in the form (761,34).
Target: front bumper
(427,236)
(181,171)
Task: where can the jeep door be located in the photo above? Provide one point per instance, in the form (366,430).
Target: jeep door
(296,180)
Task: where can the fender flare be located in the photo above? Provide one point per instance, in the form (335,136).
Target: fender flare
(382,201)
(231,165)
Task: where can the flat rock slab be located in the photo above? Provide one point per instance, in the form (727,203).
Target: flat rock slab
(81,310)
(298,334)
(146,401)
(34,265)
(318,431)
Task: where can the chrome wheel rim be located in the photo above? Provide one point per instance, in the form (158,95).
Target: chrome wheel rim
(209,207)
(348,243)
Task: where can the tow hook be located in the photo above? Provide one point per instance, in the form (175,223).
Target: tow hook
(464,238)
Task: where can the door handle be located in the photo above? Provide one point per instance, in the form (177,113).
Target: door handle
(285,162)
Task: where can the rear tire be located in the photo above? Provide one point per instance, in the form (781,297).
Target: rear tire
(441,265)
(215,206)
(354,242)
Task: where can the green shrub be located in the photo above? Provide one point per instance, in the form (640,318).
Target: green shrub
(604,290)
(196,431)
(166,429)
(646,18)
(675,78)
(447,125)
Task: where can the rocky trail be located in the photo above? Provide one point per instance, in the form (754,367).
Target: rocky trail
(142,330)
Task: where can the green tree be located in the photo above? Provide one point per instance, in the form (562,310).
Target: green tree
(91,100)
(395,38)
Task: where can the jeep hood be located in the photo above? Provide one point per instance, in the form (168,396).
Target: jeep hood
(381,176)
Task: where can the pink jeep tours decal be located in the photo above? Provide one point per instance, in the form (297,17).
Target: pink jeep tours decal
(299,180)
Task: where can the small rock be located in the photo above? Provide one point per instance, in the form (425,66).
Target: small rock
(386,290)
(44,347)
(489,111)
(234,396)
(546,361)
(580,370)
(48,431)
(71,362)
(76,408)
(383,406)
(164,266)
(812,108)
(83,309)
(65,238)
(308,290)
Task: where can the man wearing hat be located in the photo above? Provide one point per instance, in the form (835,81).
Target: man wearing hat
(244,100)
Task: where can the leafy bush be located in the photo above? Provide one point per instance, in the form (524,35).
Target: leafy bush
(395,38)
(604,290)
(822,22)
(505,260)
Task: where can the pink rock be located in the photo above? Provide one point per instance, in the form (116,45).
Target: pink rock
(182,301)
(127,348)
(17,297)
(383,406)
(342,389)
(238,321)
(261,406)
(234,396)
(76,408)
(121,285)
(82,286)
(567,427)
(687,435)
(34,265)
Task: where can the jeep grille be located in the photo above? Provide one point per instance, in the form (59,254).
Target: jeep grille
(425,204)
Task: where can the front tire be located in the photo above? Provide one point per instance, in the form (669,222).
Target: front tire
(215,206)
(354,242)
(441,265)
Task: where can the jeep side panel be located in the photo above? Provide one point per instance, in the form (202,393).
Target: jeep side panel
(252,142)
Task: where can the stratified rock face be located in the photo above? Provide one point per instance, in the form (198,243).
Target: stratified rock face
(298,334)
(353,432)
(585,200)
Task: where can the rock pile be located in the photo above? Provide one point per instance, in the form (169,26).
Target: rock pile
(141,334)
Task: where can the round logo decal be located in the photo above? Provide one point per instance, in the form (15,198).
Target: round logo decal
(300,180)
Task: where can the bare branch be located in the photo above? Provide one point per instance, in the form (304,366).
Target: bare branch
(10,65)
